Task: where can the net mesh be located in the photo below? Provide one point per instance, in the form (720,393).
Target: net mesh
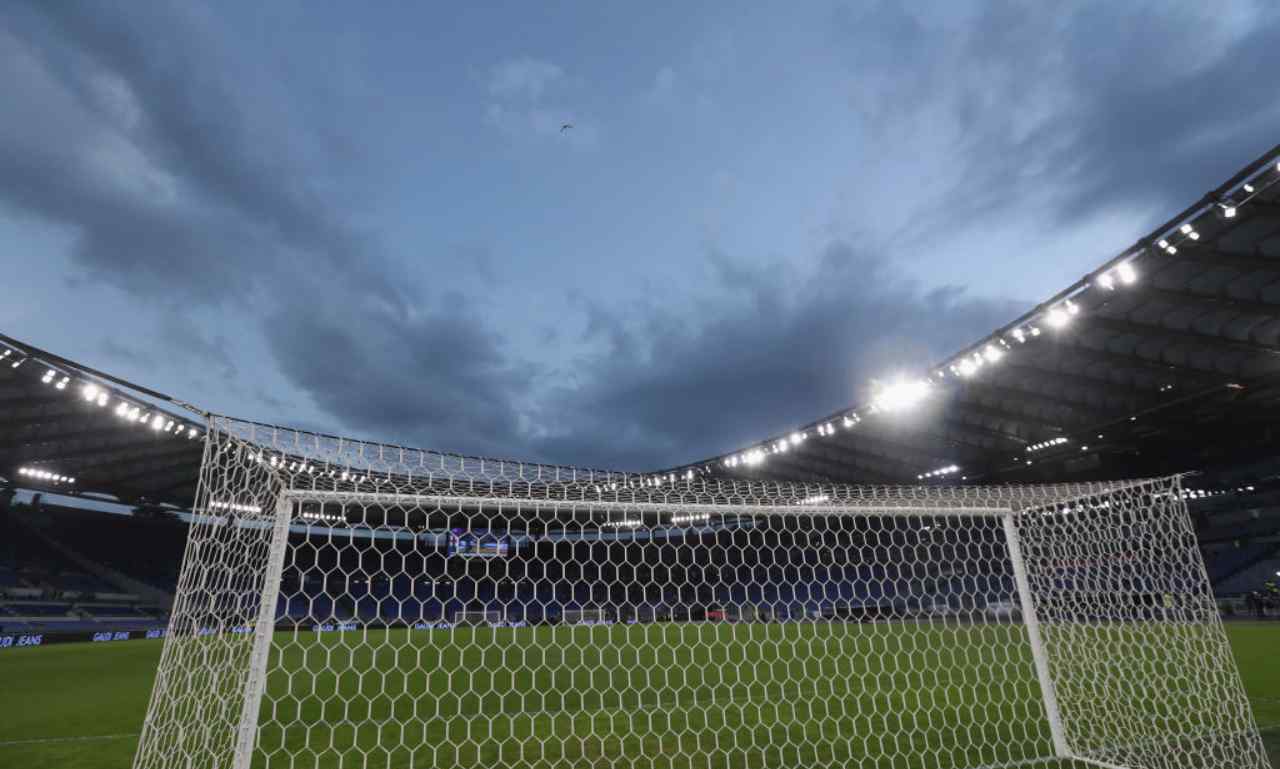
(349,604)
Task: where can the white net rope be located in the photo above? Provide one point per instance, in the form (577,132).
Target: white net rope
(349,604)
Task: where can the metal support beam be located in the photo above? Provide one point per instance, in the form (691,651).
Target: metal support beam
(1162,333)
(1075,346)
(1054,373)
(851,445)
(1207,257)
(62,433)
(1215,302)
(145,470)
(960,425)
(106,452)
(964,405)
(843,464)
(1008,391)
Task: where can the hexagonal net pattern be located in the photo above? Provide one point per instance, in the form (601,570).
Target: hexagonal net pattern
(349,604)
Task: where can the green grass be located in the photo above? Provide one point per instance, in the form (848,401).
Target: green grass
(742,696)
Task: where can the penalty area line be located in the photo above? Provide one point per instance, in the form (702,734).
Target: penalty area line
(46,740)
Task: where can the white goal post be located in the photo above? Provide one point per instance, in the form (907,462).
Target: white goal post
(691,622)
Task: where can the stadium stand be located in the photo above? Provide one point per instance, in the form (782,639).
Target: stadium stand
(70,570)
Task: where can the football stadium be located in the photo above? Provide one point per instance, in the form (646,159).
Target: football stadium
(1057,547)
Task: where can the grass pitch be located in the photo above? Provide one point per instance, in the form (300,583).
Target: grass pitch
(636,696)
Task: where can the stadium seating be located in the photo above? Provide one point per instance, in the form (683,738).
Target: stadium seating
(1251,578)
(1223,562)
(147,550)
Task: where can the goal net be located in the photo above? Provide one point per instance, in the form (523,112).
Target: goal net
(491,617)
(586,617)
(746,624)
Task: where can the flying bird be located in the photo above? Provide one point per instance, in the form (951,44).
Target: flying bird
(566,127)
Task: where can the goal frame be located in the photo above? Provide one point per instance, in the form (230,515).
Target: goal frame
(256,683)
(261,484)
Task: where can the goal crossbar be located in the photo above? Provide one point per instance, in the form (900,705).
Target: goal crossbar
(464,503)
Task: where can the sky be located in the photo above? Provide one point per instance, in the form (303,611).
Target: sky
(366,219)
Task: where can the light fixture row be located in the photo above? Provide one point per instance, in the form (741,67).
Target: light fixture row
(40,474)
(905,394)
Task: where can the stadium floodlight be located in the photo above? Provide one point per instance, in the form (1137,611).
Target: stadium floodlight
(1127,274)
(901,395)
(1033,626)
(1106,281)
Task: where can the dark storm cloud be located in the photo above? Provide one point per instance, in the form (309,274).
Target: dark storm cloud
(145,89)
(1092,106)
(438,379)
(183,183)
(229,223)
(774,349)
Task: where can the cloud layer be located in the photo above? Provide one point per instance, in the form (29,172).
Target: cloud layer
(620,312)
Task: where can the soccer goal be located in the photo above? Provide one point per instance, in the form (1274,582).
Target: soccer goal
(1058,626)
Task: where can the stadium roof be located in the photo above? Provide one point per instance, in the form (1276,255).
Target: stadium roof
(1166,358)
(70,429)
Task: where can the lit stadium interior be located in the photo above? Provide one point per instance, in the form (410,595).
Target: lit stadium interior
(1163,360)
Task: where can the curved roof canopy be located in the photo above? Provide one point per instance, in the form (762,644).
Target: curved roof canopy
(1166,358)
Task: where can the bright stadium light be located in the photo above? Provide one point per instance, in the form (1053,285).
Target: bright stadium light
(992,353)
(901,395)
(1126,273)
(1106,281)
(1057,318)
